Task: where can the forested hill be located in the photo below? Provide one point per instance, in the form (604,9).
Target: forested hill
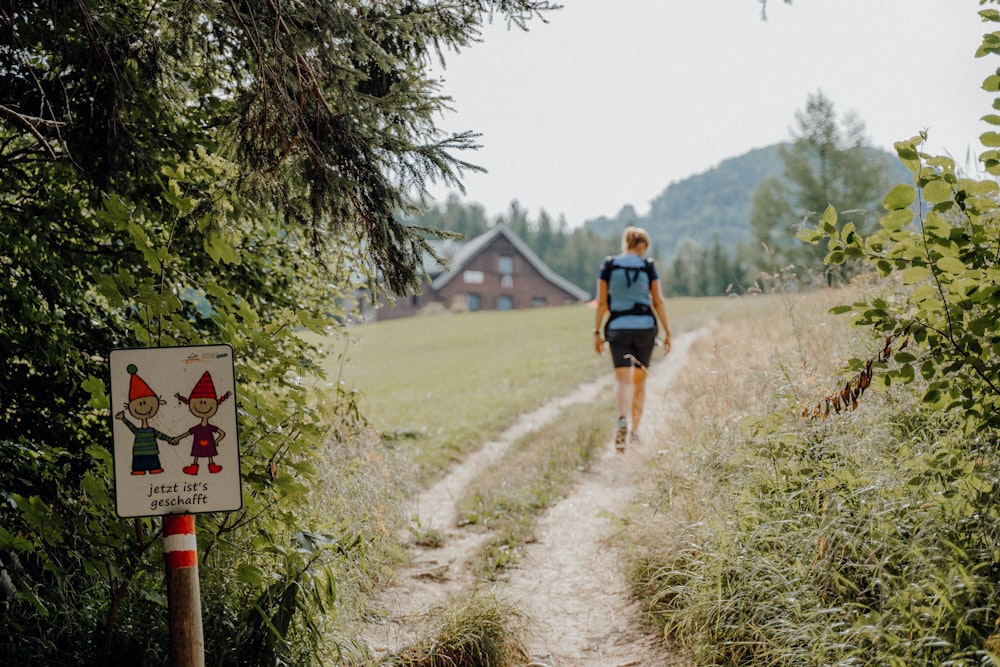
(713,204)
(704,210)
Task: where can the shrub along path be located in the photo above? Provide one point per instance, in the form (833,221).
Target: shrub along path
(569,581)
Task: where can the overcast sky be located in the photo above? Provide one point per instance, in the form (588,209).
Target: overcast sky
(613,100)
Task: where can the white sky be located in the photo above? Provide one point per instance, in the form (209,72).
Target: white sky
(613,100)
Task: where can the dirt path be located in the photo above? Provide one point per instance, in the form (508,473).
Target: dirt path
(569,580)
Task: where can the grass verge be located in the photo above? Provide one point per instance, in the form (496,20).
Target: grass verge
(537,472)
(776,540)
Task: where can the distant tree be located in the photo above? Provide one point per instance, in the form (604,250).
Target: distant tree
(545,235)
(517,219)
(763,7)
(696,270)
(827,164)
(679,276)
(577,258)
(467,220)
(612,228)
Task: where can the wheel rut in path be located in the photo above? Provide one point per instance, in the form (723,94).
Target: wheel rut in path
(569,581)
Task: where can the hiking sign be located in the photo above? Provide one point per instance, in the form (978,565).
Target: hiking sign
(176,449)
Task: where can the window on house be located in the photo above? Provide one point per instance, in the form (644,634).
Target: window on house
(505,302)
(473,277)
(506,282)
(505,265)
(474,301)
(537,301)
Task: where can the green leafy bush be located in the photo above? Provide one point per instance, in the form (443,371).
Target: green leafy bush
(193,173)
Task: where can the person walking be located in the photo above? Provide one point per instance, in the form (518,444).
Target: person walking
(629,308)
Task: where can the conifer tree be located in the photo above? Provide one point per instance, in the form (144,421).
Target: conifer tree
(827,164)
(180,173)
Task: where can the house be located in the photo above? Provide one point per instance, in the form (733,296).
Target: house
(494,271)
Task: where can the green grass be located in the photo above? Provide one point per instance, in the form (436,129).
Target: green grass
(442,385)
(445,384)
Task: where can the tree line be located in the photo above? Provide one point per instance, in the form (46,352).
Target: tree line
(729,231)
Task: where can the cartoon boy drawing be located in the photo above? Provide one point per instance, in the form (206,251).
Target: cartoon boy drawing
(143,404)
(203,403)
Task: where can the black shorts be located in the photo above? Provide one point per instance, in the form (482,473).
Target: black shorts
(627,344)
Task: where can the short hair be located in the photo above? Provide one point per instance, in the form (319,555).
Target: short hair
(632,237)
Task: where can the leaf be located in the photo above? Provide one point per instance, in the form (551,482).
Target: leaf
(99,398)
(907,151)
(156,597)
(897,219)
(900,197)
(937,191)
(809,235)
(172,195)
(836,257)
(249,574)
(951,265)
(94,487)
(906,373)
(984,188)
(9,542)
(829,221)
(914,274)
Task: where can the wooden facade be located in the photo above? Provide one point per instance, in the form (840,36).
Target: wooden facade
(494,271)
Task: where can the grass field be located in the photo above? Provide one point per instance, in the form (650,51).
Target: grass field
(442,385)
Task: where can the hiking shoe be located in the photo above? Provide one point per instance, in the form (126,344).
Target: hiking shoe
(634,438)
(621,434)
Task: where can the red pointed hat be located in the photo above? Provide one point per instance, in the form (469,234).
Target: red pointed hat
(204,389)
(137,387)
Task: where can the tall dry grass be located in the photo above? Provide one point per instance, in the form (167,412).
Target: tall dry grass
(771,539)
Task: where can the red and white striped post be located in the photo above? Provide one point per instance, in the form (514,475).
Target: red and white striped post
(187,640)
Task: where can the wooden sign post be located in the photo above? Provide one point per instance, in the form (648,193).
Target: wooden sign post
(187,638)
(176,454)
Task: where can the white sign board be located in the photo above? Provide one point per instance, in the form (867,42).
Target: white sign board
(176,449)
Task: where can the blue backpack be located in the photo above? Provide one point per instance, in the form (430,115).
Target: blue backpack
(631,274)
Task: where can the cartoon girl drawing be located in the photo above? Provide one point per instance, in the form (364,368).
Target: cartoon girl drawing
(143,404)
(203,403)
